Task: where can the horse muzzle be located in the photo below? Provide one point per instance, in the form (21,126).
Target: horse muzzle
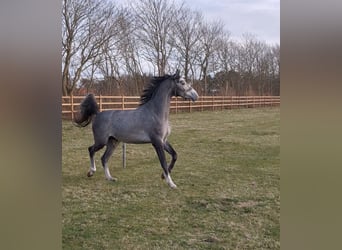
(191,94)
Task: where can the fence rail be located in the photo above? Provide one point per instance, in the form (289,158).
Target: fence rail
(70,104)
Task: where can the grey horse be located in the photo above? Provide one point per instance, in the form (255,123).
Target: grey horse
(148,123)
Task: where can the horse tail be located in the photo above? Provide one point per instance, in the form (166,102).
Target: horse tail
(89,109)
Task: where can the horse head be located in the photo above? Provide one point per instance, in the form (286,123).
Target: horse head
(183,88)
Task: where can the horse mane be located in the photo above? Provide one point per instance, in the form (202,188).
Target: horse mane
(152,88)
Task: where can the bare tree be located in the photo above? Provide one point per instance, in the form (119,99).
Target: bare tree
(275,69)
(129,48)
(225,58)
(112,49)
(186,37)
(209,41)
(156,21)
(120,64)
(86,26)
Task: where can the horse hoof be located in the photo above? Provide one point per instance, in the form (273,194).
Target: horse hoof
(112,179)
(90,173)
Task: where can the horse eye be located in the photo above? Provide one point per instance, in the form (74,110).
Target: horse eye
(182,82)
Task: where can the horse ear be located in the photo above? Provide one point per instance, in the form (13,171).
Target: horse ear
(176,75)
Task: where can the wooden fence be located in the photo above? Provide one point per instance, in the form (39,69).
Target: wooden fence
(70,104)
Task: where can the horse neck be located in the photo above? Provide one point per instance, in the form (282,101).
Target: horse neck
(160,103)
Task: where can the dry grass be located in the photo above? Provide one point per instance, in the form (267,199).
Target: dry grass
(228,195)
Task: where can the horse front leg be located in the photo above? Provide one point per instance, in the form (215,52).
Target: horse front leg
(159,147)
(168,148)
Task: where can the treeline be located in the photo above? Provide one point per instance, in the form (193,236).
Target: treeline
(113,50)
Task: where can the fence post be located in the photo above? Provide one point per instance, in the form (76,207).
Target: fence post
(100,103)
(72,106)
(124,155)
(202,103)
(176,104)
(122,102)
(213,102)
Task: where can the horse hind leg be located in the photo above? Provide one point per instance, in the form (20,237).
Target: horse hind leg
(111,145)
(92,150)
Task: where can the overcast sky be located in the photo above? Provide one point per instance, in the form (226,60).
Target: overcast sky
(258,17)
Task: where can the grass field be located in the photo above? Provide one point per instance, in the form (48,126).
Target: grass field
(228,179)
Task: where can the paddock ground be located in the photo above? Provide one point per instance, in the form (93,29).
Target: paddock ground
(228,195)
